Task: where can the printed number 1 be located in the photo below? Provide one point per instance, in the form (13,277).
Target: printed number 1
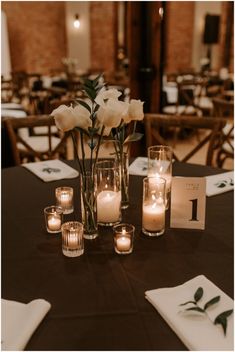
(194,210)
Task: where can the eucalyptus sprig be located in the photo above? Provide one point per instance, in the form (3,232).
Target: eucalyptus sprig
(220,319)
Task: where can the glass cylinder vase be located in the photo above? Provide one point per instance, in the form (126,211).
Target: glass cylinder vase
(123,161)
(89,205)
(108,192)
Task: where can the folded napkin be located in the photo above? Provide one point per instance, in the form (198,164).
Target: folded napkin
(195,330)
(139,167)
(51,170)
(19,321)
(217,184)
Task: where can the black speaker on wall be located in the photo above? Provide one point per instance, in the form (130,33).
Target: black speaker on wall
(211,30)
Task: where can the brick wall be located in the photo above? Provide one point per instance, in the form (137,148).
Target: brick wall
(179,35)
(103,35)
(36,34)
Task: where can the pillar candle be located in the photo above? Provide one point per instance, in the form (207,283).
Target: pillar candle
(108,206)
(153,217)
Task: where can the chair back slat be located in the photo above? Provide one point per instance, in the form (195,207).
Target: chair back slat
(155,123)
(30,148)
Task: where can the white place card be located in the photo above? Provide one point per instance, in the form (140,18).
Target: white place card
(188,202)
(51,170)
(221,183)
(139,166)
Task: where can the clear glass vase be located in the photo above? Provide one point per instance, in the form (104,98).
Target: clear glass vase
(89,205)
(123,159)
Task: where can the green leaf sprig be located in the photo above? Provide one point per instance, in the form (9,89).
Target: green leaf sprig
(220,319)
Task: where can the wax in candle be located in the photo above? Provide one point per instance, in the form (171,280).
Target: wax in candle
(72,239)
(108,206)
(153,217)
(54,223)
(123,243)
(65,199)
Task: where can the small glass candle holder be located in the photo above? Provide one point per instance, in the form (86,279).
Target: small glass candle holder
(153,210)
(123,238)
(64,199)
(160,165)
(53,218)
(108,193)
(72,239)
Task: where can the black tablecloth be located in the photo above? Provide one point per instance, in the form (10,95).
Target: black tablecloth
(98,298)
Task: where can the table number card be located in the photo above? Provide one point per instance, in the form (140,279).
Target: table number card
(188,202)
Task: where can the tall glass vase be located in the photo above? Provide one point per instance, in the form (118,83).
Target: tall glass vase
(124,172)
(89,205)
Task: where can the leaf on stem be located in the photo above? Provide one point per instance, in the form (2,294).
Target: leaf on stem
(92,144)
(96,80)
(91,93)
(211,302)
(133,137)
(198,294)
(84,104)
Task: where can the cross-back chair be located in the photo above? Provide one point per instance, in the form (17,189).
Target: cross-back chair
(225,109)
(154,123)
(26,148)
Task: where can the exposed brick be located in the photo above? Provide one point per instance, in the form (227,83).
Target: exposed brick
(179,35)
(36,34)
(102,22)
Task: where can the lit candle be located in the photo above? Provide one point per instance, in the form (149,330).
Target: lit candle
(123,243)
(54,223)
(72,239)
(65,199)
(153,217)
(108,206)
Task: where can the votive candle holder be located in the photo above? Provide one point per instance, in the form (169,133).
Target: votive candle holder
(72,239)
(153,207)
(64,199)
(53,218)
(123,238)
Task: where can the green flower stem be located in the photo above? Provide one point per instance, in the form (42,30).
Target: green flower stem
(88,206)
(76,152)
(83,151)
(98,147)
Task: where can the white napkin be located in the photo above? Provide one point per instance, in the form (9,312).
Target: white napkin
(195,330)
(217,184)
(19,321)
(51,170)
(139,167)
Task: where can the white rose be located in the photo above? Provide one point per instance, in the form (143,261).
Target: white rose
(64,118)
(106,94)
(135,111)
(111,114)
(82,117)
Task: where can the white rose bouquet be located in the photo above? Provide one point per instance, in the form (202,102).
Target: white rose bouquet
(91,124)
(102,114)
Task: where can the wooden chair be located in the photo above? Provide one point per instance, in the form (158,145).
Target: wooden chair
(26,148)
(225,109)
(155,122)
